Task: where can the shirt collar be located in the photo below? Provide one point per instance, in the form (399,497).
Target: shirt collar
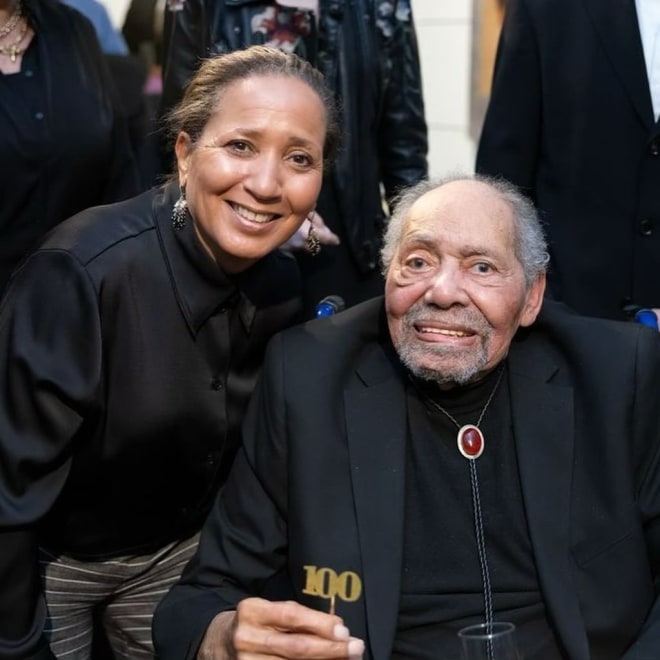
(201,288)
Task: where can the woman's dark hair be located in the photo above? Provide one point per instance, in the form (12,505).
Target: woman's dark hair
(204,92)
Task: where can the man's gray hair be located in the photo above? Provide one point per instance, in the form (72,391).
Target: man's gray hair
(530,244)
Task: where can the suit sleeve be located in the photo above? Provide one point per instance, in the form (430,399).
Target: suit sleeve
(243,542)
(403,141)
(647,454)
(50,352)
(510,137)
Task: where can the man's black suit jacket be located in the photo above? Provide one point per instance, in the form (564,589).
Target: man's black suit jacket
(320,482)
(571,121)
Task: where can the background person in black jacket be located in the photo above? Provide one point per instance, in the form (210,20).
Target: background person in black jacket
(130,342)
(64,145)
(573,121)
(367,50)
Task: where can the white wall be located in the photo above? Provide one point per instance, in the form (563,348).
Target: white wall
(444,33)
(117,10)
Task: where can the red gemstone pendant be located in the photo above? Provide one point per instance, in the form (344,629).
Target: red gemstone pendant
(470,441)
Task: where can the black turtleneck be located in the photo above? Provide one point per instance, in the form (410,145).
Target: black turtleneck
(442,589)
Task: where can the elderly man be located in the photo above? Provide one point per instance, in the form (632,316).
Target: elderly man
(438,459)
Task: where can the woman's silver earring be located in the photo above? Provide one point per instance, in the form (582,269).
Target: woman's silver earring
(180,211)
(312,242)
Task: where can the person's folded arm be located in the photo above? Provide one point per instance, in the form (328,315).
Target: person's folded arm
(50,352)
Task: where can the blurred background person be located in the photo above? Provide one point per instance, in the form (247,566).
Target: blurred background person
(142,28)
(367,50)
(111,40)
(129,73)
(130,343)
(64,145)
(573,120)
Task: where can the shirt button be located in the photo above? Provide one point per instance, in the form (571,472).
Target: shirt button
(645,227)
(38,115)
(217,384)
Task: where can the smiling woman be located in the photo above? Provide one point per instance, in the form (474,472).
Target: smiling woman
(158,311)
(255,172)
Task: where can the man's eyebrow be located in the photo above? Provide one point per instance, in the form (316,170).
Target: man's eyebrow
(477,250)
(425,239)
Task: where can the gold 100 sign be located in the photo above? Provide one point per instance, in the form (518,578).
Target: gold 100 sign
(325,583)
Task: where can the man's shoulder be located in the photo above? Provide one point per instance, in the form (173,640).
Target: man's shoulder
(320,354)
(358,322)
(557,314)
(344,334)
(587,335)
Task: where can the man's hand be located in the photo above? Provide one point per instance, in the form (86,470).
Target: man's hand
(264,629)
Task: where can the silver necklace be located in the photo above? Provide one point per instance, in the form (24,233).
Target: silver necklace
(470,441)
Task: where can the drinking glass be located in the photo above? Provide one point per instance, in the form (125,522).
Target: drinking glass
(489,641)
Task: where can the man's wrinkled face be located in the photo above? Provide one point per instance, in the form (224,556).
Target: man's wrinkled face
(455,291)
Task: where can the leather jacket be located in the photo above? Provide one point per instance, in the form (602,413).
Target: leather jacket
(367,50)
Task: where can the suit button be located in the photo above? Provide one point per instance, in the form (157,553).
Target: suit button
(654,147)
(645,227)
(217,384)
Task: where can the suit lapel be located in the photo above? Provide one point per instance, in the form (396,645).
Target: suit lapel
(543,429)
(376,429)
(376,425)
(616,23)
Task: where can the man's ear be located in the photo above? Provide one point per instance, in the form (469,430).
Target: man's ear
(183,151)
(533,302)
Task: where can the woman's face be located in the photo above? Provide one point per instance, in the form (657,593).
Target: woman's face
(256,170)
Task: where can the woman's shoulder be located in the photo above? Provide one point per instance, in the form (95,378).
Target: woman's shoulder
(98,229)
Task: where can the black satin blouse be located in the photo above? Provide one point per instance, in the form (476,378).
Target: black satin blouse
(128,359)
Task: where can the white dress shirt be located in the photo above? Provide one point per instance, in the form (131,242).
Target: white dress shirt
(648,15)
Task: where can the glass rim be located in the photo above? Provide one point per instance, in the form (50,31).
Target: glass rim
(496,628)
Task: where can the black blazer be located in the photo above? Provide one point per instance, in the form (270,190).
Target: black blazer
(128,358)
(320,482)
(570,120)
